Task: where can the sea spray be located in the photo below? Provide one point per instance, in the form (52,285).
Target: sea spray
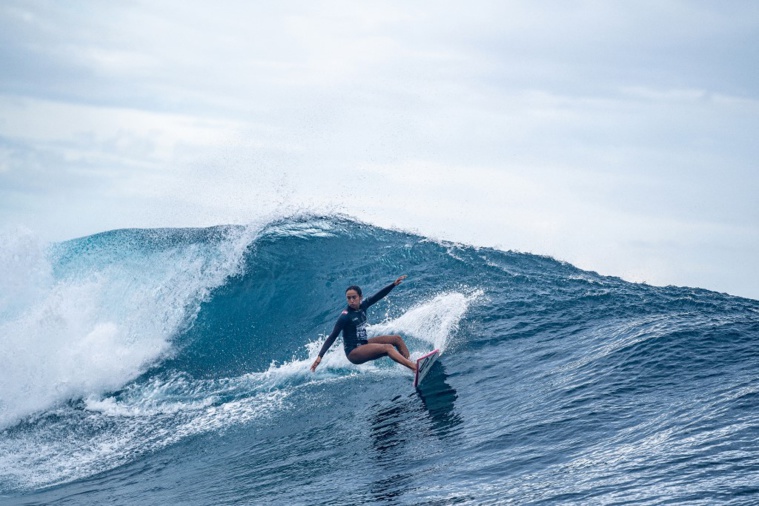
(433,321)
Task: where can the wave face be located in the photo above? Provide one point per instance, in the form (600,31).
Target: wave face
(172,367)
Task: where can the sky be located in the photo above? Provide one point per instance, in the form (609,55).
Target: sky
(617,136)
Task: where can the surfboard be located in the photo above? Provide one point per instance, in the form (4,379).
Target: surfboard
(423,366)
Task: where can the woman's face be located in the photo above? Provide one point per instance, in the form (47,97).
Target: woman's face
(354,299)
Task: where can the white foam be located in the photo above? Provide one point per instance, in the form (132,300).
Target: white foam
(113,430)
(98,325)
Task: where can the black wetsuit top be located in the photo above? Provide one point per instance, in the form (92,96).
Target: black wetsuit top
(352,323)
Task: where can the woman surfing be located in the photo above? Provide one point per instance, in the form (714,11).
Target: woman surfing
(352,323)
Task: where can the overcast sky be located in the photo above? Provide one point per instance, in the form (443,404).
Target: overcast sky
(618,136)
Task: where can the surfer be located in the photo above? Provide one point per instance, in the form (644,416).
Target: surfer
(352,323)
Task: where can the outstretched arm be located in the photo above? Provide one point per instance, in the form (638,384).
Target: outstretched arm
(382,293)
(327,344)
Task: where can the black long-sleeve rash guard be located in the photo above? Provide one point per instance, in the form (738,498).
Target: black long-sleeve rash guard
(352,323)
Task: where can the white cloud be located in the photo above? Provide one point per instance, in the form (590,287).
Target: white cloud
(46,121)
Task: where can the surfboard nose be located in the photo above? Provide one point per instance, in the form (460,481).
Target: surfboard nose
(423,365)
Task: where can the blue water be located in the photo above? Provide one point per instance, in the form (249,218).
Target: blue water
(171,367)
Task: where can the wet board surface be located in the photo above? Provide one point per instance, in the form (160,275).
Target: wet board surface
(423,366)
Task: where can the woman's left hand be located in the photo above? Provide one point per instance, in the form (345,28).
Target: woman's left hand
(399,280)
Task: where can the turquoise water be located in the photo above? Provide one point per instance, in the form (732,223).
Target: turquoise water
(171,367)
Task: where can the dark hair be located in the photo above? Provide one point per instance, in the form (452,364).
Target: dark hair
(354,287)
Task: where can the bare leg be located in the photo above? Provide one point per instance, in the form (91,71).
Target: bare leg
(375,350)
(396,341)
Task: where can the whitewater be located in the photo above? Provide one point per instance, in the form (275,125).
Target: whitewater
(171,366)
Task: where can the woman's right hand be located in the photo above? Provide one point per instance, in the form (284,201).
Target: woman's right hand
(315,364)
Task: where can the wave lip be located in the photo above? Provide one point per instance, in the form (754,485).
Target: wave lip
(105,309)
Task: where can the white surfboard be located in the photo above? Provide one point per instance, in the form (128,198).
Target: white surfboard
(423,366)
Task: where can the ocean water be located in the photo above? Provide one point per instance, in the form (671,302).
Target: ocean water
(172,367)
